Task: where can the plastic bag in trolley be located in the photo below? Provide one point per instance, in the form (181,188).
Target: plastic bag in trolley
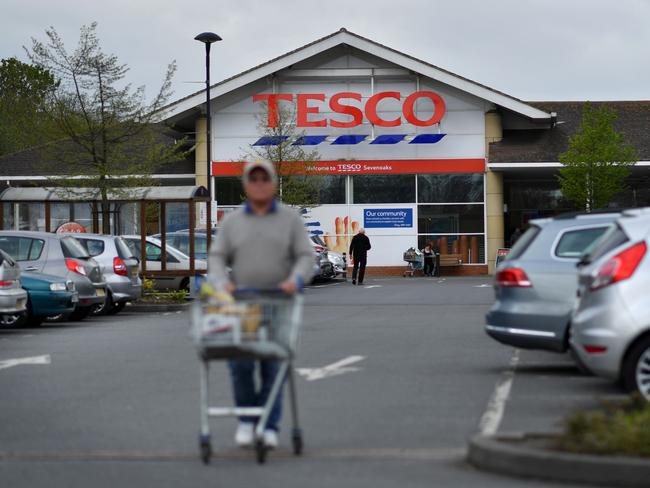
(232,323)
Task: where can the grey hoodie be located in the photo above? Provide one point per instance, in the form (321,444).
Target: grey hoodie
(262,250)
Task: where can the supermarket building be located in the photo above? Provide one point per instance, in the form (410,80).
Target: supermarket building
(407,150)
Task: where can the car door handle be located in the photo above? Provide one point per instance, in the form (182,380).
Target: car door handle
(31,268)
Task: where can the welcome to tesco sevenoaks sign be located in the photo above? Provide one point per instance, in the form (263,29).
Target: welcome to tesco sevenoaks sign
(308,109)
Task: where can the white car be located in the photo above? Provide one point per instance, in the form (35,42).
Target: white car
(176,261)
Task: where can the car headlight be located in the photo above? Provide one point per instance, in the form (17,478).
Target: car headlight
(58,287)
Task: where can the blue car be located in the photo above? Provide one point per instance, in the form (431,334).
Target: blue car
(47,295)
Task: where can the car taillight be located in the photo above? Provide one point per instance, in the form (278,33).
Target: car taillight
(7,283)
(119,267)
(513,278)
(620,267)
(76,266)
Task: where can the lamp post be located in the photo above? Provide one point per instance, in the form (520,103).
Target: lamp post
(208,38)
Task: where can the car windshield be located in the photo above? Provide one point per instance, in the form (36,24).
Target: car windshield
(123,250)
(523,242)
(73,249)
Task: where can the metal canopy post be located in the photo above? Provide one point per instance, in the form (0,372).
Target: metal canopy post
(192,211)
(143,238)
(163,235)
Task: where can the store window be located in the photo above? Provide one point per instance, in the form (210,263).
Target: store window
(229,190)
(450,188)
(82,214)
(332,189)
(470,248)
(59,214)
(383,189)
(439,219)
(31,216)
(7,216)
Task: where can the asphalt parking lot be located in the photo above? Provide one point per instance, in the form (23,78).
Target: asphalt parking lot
(396,375)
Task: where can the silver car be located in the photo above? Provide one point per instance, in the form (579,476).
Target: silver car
(536,284)
(62,256)
(610,330)
(119,267)
(338,260)
(13,299)
(176,261)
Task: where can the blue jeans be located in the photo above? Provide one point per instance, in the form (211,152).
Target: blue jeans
(242,373)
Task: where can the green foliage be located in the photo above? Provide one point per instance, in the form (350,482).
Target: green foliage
(108,131)
(151,295)
(25,91)
(597,162)
(614,429)
(294,189)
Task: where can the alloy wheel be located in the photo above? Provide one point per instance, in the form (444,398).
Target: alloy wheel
(643,374)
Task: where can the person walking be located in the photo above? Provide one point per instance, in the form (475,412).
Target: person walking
(266,247)
(359,247)
(429,259)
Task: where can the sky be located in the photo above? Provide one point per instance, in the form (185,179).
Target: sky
(530,49)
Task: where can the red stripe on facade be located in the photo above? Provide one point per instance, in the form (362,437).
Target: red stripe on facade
(389,166)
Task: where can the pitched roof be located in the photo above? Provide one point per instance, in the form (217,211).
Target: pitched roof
(36,160)
(546,145)
(343,36)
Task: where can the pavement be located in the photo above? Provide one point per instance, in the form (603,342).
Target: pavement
(397,375)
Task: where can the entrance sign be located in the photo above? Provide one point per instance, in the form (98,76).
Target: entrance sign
(308,109)
(387,217)
(375,166)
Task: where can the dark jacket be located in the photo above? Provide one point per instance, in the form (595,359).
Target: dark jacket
(359,246)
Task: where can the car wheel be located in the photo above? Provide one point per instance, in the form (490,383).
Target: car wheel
(103,308)
(116,308)
(55,318)
(185,285)
(13,320)
(80,313)
(636,369)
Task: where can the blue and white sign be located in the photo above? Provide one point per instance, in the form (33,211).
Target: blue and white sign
(387,217)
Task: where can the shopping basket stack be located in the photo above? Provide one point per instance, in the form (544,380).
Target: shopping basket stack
(414,261)
(251,324)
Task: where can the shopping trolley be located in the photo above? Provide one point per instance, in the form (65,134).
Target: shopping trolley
(250,324)
(414,261)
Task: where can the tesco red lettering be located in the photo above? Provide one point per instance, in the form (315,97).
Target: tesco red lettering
(305,109)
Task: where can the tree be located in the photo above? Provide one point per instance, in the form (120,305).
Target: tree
(295,188)
(597,162)
(109,139)
(24,91)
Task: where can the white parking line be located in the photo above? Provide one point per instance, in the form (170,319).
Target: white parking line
(334,369)
(493,415)
(10,363)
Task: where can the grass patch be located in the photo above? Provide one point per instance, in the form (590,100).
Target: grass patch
(621,428)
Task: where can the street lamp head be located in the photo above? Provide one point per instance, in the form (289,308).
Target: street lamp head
(207,37)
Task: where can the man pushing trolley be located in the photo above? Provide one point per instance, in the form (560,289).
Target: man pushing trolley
(251,314)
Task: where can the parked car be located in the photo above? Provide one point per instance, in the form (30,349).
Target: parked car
(119,267)
(13,299)
(610,330)
(176,261)
(536,285)
(48,296)
(62,256)
(181,241)
(338,260)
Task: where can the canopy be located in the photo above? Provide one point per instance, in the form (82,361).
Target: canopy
(60,194)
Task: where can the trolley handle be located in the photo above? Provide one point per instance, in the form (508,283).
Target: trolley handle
(265,292)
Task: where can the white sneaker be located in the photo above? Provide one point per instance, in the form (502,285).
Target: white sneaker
(271,439)
(245,434)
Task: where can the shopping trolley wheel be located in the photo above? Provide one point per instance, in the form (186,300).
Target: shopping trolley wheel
(296,440)
(260,451)
(205,448)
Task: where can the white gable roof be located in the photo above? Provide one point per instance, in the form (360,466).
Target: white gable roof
(345,37)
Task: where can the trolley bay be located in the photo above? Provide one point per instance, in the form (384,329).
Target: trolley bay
(118,402)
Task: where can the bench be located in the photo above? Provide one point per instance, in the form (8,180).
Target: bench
(447,261)
(450,260)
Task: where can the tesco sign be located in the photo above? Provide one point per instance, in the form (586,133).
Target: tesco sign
(308,108)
